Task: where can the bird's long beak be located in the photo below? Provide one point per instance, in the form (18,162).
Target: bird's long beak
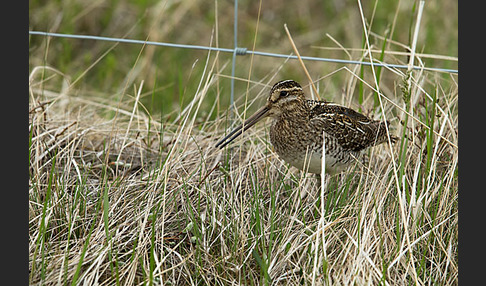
(262,113)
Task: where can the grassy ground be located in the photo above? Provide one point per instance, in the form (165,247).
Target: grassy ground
(126,187)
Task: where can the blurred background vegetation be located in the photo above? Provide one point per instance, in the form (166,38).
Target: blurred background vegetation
(171,75)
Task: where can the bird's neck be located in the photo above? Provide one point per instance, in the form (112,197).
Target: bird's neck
(296,110)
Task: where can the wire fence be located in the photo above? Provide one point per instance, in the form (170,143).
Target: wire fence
(239,51)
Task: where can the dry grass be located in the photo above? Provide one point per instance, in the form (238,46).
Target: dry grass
(119,197)
(132,201)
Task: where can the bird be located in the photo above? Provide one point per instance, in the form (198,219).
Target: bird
(300,125)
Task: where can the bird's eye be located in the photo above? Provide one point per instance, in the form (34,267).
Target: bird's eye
(283,93)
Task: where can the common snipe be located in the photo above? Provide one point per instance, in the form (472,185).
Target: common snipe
(299,126)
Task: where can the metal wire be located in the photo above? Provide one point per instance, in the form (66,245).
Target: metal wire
(237,51)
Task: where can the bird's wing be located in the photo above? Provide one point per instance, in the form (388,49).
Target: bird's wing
(353,131)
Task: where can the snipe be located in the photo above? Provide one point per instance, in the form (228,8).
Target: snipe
(299,126)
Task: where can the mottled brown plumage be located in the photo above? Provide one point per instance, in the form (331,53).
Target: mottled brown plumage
(300,125)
